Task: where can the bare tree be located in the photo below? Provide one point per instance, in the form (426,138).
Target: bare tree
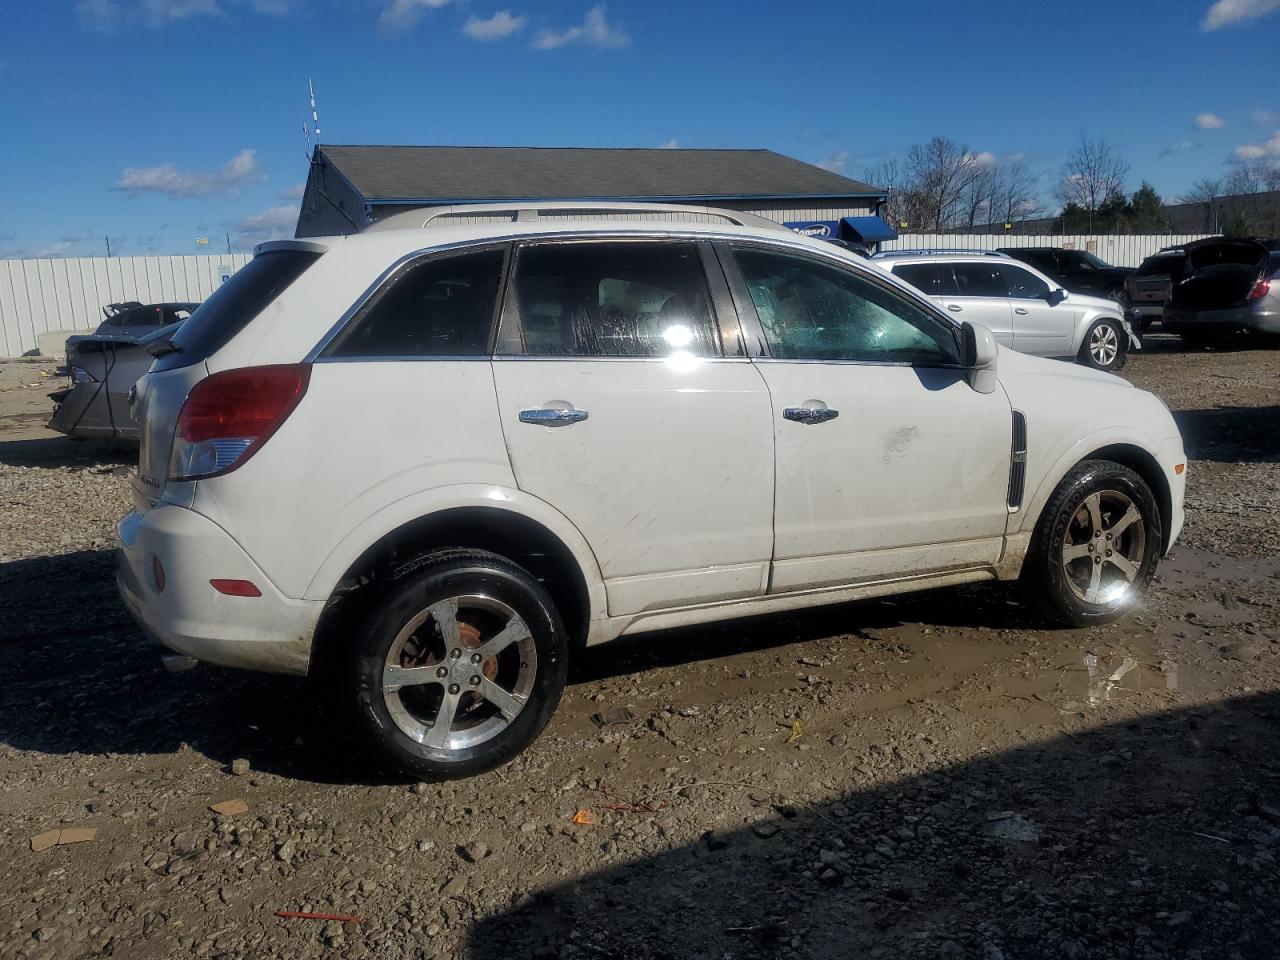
(1014,193)
(1206,192)
(1093,172)
(940,172)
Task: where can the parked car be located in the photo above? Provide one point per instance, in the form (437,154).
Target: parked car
(103,370)
(1229,286)
(1025,310)
(429,463)
(134,319)
(1077,271)
(1147,288)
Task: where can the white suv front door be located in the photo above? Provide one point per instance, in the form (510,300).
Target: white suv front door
(980,297)
(1039,327)
(621,410)
(888,463)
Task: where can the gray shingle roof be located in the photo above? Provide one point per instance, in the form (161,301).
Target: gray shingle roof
(451,174)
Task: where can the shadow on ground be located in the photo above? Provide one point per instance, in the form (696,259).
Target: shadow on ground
(1231,434)
(63,451)
(1148,839)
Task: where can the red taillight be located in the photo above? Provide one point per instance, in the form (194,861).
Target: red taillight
(229,415)
(236,588)
(157,574)
(1260,289)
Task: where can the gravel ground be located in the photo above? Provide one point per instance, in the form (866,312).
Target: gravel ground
(930,776)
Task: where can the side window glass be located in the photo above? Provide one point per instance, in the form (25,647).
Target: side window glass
(932,279)
(978,280)
(439,307)
(1021,284)
(636,299)
(814,311)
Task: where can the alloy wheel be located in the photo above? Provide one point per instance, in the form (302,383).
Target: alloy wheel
(1104,546)
(459,672)
(1104,344)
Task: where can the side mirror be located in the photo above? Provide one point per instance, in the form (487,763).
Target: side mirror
(980,354)
(1056,296)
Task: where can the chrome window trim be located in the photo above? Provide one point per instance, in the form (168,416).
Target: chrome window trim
(561,358)
(781,241)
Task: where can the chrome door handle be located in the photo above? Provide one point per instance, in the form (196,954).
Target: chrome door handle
(1021,311)
(955,308)
(810,414)
(552,418)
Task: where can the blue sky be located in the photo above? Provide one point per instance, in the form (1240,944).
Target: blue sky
(156,122)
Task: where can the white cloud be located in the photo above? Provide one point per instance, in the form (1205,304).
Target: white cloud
(984,159)
(1265,118)
(168,180)
(672,144)
(273,8)
(160,12)
(1256,151)
(274,223)
(501,25)
(1208,121)
(1236,11)
(295,192)
(1182,146)
(100,15)
(594,31)
(400,15)
(836,162)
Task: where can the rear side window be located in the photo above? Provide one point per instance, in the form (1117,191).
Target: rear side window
(978,280)
(637,299)
(1022,284)
(230,308)
(932,279)
(440,307)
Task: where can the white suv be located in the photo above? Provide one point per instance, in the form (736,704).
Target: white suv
(428,463)
(1020,305)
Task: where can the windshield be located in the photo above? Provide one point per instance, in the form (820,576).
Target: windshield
(1089,261)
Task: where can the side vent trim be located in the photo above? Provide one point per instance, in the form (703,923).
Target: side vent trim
(1018,461)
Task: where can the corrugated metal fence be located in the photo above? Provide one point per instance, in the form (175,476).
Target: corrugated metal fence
(38,296)
(1120,250)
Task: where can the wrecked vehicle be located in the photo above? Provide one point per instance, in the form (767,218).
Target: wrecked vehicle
(134,319)
(429,463)
(1147,288)
(1229,286)
(103,371)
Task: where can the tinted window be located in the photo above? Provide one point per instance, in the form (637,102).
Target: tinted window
(933,279)
(135,317)
(609,300)
(1162,264)
(436,307)
(1275,262)
(815,311)
(1040,259)
(978,280)
(230,308)
(1022,284)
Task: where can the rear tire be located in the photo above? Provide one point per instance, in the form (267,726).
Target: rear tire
(1105,346)
(1096,546)
(458,664)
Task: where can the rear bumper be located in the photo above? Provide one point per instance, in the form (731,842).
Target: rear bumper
(1261,317)
(1153,310)
(272,632)
(90,410)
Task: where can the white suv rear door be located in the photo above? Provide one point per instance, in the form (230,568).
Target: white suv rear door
(622,410)
(888,462)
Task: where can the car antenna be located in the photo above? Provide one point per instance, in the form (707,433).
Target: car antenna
(313,126)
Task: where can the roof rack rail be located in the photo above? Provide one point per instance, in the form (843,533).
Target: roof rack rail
(559,210)
(940,252)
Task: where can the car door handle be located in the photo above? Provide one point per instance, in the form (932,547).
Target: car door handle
(549,417)
(1021,311)
(955,308)
(810,414)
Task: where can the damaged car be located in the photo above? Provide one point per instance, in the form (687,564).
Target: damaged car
(1230,286)
(134,319)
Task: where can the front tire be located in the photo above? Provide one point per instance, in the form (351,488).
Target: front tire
(1104,346)
(459,663)
(1096,546)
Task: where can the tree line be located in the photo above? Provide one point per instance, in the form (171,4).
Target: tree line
(942,184)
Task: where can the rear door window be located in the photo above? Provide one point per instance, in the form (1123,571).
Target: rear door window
(437,307)
(932,279)
(978,280)
(1021,284)
(609,299)
(230,308)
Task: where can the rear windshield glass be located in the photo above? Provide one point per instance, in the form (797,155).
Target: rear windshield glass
(1162,264)
(230,308)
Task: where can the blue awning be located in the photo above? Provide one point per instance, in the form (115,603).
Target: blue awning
(867,229)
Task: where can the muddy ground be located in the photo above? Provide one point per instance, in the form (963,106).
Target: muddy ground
(930,776)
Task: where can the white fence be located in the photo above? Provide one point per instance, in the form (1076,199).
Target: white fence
(39,296)
(1119,250)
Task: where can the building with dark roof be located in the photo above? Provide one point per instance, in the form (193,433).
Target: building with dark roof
(350,187)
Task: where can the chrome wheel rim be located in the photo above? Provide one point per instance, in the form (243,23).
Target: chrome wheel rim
(1104,547)
(1104,344)
(459,672)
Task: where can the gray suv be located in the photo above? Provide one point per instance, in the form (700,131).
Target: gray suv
(1023,308)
